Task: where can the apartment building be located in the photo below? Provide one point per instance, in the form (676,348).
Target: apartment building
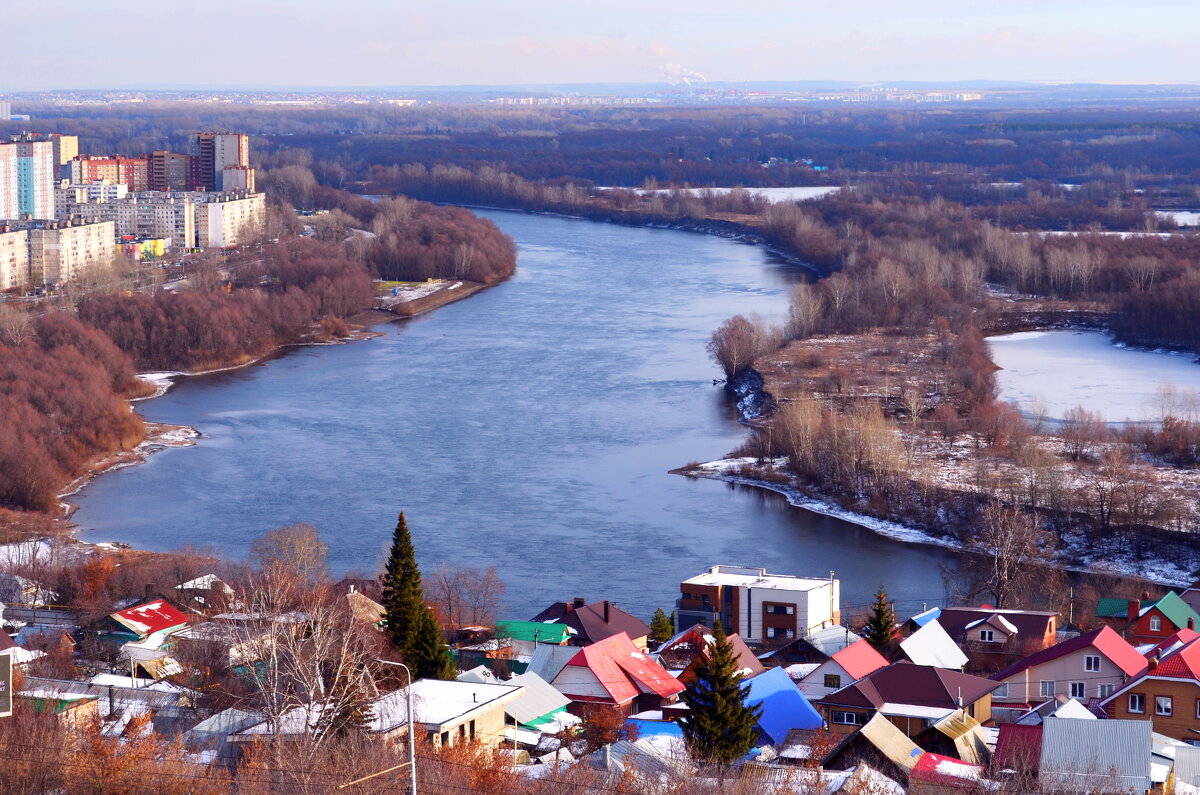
(67,195)
(27,179)
(172,171)
(229,219)
(133,172)
(760,607)
(8,182)
(216,152)
(54,251)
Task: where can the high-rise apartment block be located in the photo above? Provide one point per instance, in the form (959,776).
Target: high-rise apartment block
(189,219)
(47,252)
(133,172)
(216,153)
(173,171)
(5,111)
(27,179)
(8,182)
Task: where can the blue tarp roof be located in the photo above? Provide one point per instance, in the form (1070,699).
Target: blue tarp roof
(784,707)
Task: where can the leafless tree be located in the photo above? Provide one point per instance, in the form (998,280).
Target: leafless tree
(1082,431)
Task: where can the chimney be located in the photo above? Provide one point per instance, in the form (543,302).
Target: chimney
(606,606)
(577,602)
(1154,661)
(1135,607)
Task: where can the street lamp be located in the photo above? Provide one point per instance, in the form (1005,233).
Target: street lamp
(412,728)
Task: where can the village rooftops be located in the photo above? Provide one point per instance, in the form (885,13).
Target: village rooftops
(755,578)
(150,617)
(914,685)
(593,622)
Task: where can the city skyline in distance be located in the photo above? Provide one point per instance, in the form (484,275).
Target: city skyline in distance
(373,43)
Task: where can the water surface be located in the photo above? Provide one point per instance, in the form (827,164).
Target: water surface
(1051,372)
(529,427)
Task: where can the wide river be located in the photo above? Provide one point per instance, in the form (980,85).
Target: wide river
(529,427)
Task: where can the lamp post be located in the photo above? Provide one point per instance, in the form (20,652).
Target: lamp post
(412,727)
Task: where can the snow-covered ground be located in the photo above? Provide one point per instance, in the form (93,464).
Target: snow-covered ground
(1075,556)
(1181,217)
(772,194)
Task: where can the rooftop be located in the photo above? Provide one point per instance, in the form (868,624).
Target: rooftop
(756,578)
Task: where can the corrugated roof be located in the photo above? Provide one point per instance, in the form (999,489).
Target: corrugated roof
(538,700)
(831,640)
(623,671)
(967,734)
(1019,747)
(1177,611)
(892,742)
(533,631)
(932,645)
(906,683)
(589,622)
(1112,755)
(1105,640)
(946,771)
(150,617)
(860,659)
(548,661)
(1030,624)
(1113,607)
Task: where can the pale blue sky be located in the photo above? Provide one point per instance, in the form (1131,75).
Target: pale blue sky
(56,43)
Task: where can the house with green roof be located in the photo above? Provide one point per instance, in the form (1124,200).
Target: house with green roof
(1145,620)
(525,636)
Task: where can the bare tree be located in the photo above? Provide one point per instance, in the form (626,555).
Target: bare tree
(16,325)
(1082,431)
(1008,546)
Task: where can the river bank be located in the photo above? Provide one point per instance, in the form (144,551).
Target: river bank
(1077,556)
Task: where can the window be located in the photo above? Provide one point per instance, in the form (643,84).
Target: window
(987,635)
(781,610)
(1155,623)
(1047,689)
(1078,689)
(472,730)
(1137,703)
(779,632)
(849,718)
(1107,690)
(833,680)
(1198,708)
(1162,705)
(1001,691)
(1091,664)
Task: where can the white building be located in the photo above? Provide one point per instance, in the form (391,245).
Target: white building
(36,168)
(5,111)
(189,219)
(760,607)
(54,251)
(9,207)
(230,219)
(68,194)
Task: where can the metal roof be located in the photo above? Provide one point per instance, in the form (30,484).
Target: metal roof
(1110,754)
(536,631)
(538,700)
(1187,765)
(932,645)
(548,661)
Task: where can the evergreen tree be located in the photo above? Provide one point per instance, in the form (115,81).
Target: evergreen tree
(409,624)
(719,727)
(402,598)
(881,624)
(661,627)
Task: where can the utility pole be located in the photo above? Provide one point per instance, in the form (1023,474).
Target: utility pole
(412,743)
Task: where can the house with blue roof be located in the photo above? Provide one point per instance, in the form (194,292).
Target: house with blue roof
(784,707)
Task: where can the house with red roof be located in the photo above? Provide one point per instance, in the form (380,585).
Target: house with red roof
(1167,691)
(145,619)
(845,667)
(615,675)
(1089,666)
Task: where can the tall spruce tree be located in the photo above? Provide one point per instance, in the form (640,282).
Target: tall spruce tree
(719,727)
(880,630)
(409,624)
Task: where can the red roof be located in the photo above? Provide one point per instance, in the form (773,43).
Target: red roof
(146,619)
(1105,640)
(860,659)
(1164,646)
(1182,664)
(623,671)
(1019,747)
(946,770)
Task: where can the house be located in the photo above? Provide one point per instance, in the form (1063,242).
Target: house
(784,707)
(75,711)
(1151,622)
(1089,666)
(447,713)
(639,758)
(524,636)
(540,708)
(930,644)
(210,737)
(171,707)
(684,653)
(1057,707)
(595,622)
(993,639)
(959,736)
(879,743)
(548,661)
(365,609)
(615,675)
(1095,756)
(845,666)
(937,774)
(1167,692)
(143,620)
(205,594)
(760,607)
(815,647)
(17,590)
(221,644)
(913,697)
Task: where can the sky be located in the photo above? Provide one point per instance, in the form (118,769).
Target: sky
(122,43)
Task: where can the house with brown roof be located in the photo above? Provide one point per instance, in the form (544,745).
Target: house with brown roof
(1093,665)
(595,622)
(993,639)
(682,654)
(846,666)
(614,675)
(913,697)
(1167,691)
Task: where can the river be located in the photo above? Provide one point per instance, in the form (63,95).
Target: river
(529,427)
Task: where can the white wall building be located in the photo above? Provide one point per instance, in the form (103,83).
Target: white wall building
(68,194)
(43,252)
(36,167)
(14,258)
(758,606)
(229,220)
(8,182)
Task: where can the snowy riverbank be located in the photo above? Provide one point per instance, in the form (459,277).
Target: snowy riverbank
(1073,557)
